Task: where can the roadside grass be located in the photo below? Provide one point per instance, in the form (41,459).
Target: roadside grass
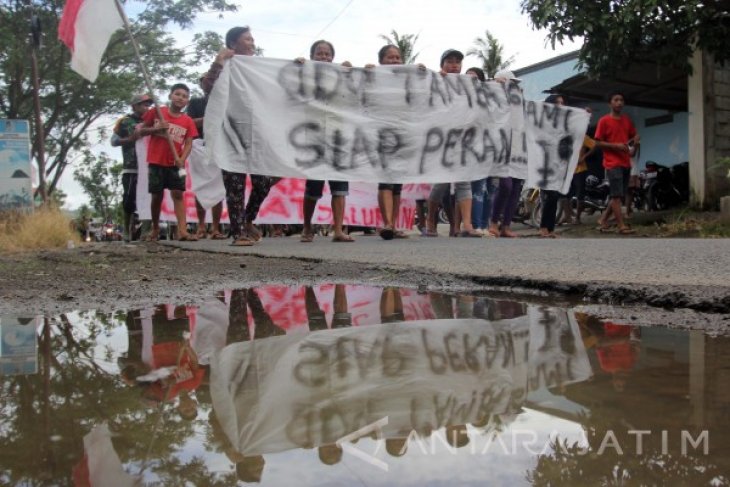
(688,223)
(45,228)
(675,223)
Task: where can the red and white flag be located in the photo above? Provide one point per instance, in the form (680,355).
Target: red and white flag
(86,27)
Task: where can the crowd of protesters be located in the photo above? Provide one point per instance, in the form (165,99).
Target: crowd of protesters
(481,208)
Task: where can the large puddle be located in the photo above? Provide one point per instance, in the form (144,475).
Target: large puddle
(355,385)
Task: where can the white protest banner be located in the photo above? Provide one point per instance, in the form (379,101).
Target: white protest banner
(554,139)
(318,120)
(206,177)
(388,124)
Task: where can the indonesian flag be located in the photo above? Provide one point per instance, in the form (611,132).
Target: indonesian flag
(86,27)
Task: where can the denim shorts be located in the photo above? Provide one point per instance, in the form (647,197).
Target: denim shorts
(618,181)
(313,188)
(395,188)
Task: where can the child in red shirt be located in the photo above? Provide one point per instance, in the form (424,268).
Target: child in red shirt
(617,137)
(167,168)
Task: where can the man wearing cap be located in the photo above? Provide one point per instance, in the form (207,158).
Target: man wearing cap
(451,64)
(125,137)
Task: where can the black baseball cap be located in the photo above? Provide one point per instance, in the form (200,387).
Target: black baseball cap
(451,52)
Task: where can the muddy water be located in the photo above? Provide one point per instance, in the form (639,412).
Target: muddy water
(340,384)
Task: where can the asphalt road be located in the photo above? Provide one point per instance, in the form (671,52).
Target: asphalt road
(703,264)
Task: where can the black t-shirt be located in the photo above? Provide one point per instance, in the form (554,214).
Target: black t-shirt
(196,109)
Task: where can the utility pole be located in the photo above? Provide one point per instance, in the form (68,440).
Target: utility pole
(35,30)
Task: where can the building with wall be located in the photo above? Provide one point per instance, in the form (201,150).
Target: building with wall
(680,118)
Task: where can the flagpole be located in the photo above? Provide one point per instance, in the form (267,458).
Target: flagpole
(147,81)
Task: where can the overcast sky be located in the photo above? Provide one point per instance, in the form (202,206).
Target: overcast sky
(286,28)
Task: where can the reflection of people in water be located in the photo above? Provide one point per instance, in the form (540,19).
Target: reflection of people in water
(457,435)
(391,306)
(238,326)
(617,352)
(341,318)
(396,447)
(264,325)
(161,359)
(330,454)
(442,305)
(249,469)
(316,316)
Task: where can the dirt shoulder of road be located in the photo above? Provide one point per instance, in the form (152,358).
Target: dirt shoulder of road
(115,276)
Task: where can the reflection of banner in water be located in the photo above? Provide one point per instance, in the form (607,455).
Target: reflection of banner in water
(292,391)
(282,205)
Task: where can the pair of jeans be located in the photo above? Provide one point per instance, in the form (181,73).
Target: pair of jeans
(481,207)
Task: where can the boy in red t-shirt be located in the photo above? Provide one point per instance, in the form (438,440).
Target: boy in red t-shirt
(167,169)
(617,137)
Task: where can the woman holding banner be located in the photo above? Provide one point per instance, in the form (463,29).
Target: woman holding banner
(508,192)
(389,194)
(324,51)
(239,41)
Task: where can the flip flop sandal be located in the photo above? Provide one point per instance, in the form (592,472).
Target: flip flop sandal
(605,229)
(467,233)
(400,234)
(626,231)
(428,233)
(343,239)
(387,234)
(217,236)
(188,238)
(242,242)
(306,238)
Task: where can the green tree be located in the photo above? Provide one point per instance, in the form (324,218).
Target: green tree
(618,33)
(70,104)
(100,178)
(491,53)
(406,43)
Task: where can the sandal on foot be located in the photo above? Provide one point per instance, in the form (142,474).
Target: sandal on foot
(470,233)
(626,231)
(187,238)
(242,242)
(217,236)
(343,238)
(306,238)
(429,233)
(387,233)
(400,234)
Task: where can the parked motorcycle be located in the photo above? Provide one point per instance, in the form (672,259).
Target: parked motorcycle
(597,195)
(529,209)
(664,187)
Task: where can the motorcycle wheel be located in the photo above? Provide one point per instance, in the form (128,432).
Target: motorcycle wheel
(443,216)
